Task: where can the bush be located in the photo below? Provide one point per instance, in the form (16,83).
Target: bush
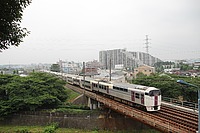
(22,131)
(51,128)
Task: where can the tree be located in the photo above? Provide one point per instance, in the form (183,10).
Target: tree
(11,33)
(185,67)
(168,86)
(55,68)
(36,91)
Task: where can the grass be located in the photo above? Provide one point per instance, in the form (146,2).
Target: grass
(72,95)
(74,111)
(41,129)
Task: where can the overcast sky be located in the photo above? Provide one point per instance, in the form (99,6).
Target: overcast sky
(76,30)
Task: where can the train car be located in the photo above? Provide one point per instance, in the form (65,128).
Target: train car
(69,79)
(149,97)
(77,80)
(86,83)
(101,86)
(152,99)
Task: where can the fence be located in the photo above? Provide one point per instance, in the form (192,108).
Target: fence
(186,104)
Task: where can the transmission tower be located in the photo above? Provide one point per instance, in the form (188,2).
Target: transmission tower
(147,44)
(147,50)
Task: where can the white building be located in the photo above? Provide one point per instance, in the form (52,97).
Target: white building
(128,59)
(70,67)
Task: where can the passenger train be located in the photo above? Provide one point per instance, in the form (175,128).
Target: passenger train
(132,94)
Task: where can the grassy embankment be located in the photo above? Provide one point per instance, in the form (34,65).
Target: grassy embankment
(71,95)
(40,129)
(70,108)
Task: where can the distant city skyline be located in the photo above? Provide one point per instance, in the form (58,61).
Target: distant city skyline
(77,30)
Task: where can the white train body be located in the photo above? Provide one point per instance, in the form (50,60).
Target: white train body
(148,97)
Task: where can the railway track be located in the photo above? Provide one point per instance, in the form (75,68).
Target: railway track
(166,120)
(180,116)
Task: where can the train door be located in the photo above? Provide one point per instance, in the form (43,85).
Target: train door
(132,95)
(142,98)
(107,89)
(155,100)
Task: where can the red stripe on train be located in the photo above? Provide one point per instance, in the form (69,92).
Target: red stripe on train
(132,95)
(156,101)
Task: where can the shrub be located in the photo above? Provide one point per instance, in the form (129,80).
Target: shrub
(22,131)
(51,128)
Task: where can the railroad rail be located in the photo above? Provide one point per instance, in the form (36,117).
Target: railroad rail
(166,120)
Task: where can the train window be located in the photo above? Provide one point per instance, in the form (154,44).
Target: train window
(104,87)
(154,93)
(93,85)
(121,89)
(116,88)
(137,95)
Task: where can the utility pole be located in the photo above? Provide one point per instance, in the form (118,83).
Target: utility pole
(110,70)
(84,75)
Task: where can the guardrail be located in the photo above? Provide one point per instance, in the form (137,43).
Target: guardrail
(186,104)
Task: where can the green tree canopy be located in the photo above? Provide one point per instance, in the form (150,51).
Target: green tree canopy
(55,68)
(11,33)
(36,91)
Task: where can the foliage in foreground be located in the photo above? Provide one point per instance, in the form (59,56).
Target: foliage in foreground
(51,128)
(36,91)
(11,33)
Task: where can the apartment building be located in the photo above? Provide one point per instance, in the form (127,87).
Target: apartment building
(128,59)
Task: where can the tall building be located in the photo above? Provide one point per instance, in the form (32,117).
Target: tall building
(128,59)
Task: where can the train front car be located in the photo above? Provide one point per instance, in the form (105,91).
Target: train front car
(152,99)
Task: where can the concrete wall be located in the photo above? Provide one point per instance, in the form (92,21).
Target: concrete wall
(99,120)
